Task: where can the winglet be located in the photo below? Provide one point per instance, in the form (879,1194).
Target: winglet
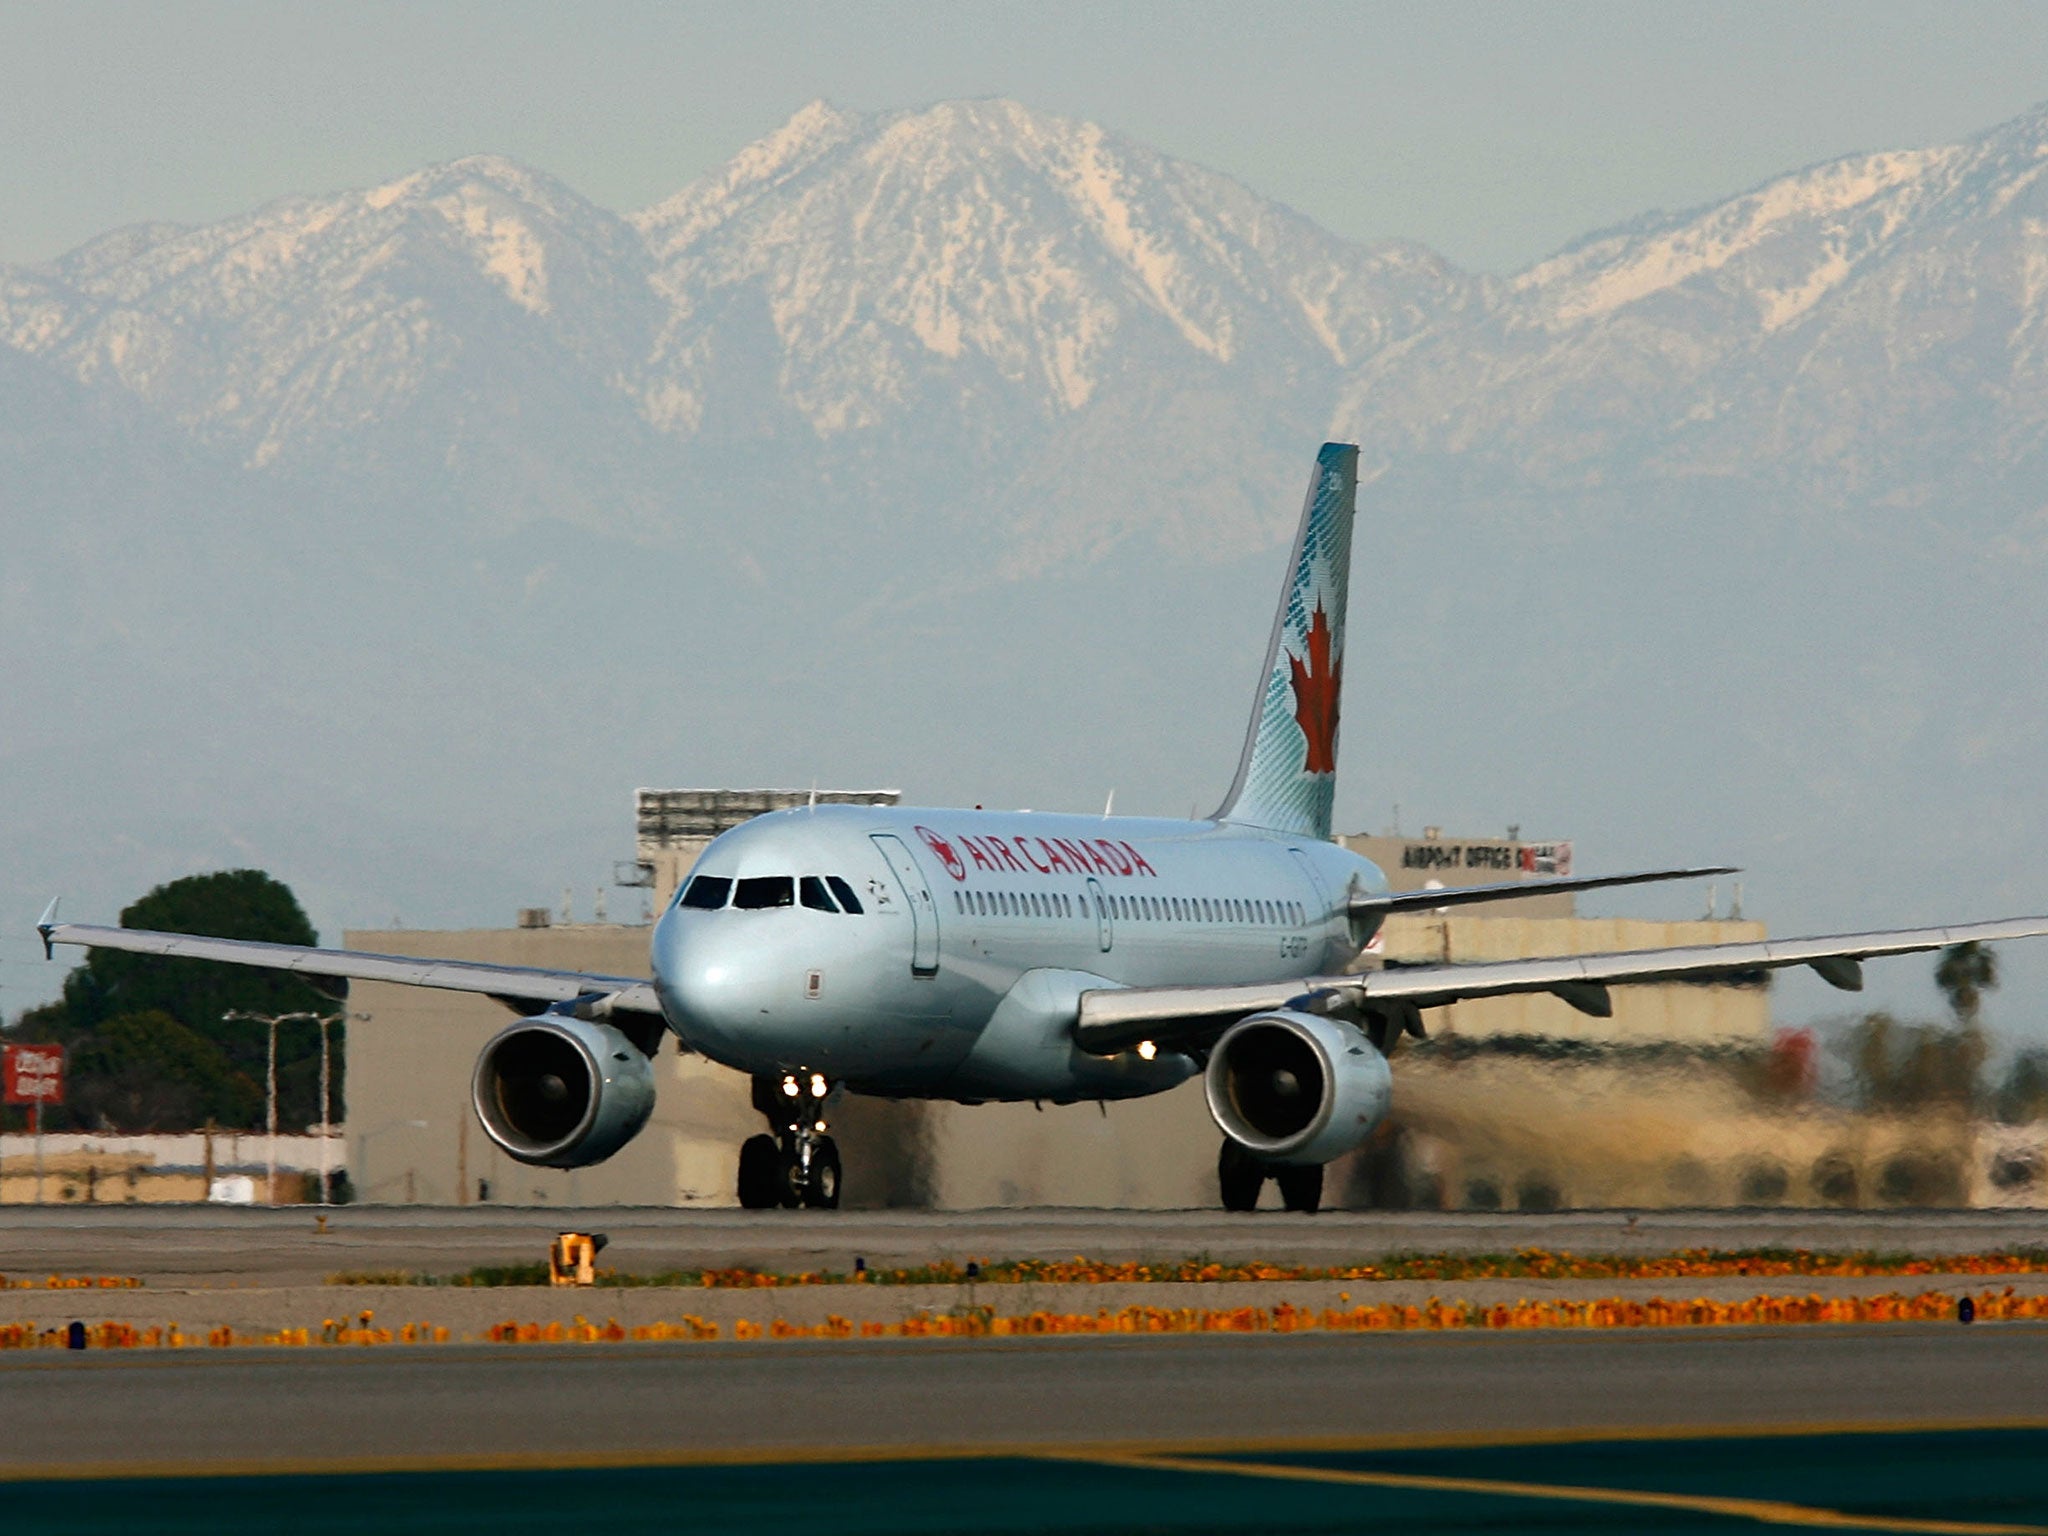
(48,926)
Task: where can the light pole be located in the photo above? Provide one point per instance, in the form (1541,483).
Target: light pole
(326,1108)
(270,1089)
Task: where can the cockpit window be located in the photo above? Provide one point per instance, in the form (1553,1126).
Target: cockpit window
(848,902)
(811,891)
(707,891)
(764,891)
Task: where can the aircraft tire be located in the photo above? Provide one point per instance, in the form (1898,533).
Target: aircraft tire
(1301,1189)
(760,1173)
(822,1192)
(1240,1176)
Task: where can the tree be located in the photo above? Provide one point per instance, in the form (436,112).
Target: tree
(232,904)
(2023,1097)
(1965,973)
(142,1072)
(194,994)
(1901,1066)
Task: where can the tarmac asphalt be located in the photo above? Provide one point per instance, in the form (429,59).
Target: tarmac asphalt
(1631,1430)
(412,1406)
(1962,1484)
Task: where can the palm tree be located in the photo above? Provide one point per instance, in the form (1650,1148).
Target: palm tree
(1965,973)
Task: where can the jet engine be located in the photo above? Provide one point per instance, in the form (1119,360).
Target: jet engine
(562,1092)
(1296,1088)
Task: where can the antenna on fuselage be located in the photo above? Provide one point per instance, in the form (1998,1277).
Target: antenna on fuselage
(814,794)
(1109,806)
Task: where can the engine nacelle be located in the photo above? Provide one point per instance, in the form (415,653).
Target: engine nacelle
(562,1092)
(1296,1088)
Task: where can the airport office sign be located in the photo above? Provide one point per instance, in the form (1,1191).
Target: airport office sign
(1505,858)
(33,1074)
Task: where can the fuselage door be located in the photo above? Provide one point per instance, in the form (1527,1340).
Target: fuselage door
(917,896)
(1320,907)
(1105,935)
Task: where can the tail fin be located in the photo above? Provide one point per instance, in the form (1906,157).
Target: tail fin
(1287,777)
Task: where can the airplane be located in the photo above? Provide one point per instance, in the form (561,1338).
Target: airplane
(980,956)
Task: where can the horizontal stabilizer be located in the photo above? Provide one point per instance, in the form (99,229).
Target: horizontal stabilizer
(1509,890)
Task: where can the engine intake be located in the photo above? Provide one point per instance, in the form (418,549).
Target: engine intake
(561,1092)
(1296,1088)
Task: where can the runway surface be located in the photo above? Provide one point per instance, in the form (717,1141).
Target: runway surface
(186,1245)
(120,1408)
(1960,1484)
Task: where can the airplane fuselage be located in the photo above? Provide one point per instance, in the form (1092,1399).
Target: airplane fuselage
(976,933)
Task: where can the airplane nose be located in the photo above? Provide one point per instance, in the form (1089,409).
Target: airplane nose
(709,997)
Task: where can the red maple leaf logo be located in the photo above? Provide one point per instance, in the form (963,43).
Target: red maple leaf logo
(944,850)
(1316,685)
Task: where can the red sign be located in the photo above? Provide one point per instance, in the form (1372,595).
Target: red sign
(34,1074)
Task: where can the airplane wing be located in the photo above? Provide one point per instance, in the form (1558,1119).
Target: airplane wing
(1506,890)
(526,989)
(1115,1020)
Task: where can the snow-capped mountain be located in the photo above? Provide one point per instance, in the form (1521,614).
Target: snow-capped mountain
(1870,330)
(971,431)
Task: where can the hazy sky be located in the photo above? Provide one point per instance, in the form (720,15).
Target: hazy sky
(1494,132)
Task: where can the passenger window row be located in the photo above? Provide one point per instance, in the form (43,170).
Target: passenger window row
(1016,904)
(1176,909)
(760,893)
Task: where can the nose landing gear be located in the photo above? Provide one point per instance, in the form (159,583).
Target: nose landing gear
(799,1163)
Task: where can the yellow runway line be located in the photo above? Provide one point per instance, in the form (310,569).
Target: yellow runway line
(1765,1511)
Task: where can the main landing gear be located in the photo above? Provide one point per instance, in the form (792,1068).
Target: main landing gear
(799,1164)
(1242,1175)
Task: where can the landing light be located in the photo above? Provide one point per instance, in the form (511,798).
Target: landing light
(817,1085)
(1147,1050)
(789,1087)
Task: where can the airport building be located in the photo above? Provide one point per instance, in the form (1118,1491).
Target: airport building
(1460,1133)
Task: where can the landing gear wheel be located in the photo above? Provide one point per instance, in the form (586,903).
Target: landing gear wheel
(1301,1189)
(789,1179)
(760,1173)
(822,1192)
(1240,1176)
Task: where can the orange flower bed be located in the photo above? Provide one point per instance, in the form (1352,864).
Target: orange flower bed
(73,1283)
(985,1322)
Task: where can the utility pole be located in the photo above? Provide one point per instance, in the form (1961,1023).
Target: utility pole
(270,1119)
(326,1114)
(272,1020)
